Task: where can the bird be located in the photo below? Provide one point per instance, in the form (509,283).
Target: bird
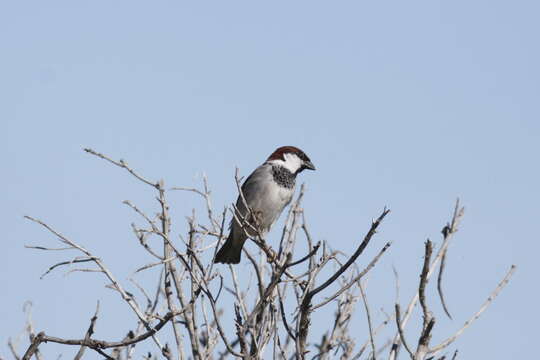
(267,191)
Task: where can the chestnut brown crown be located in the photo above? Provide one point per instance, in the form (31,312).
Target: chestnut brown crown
(281,152)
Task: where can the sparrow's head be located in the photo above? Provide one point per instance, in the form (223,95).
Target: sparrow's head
(292,158)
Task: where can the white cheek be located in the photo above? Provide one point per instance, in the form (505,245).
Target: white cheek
(292,162)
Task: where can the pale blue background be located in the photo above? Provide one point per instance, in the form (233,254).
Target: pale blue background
(400,103)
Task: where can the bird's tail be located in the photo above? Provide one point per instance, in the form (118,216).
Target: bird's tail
(229,253)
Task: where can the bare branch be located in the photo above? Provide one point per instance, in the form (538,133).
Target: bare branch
(353,258)
(121,163)
(356,279)
(13,349)
(439,283)
(484,306)
(277,314)
(98,344)
(447,232)
(305,307)
(89,333)
(423,283)
(400,331)
(129,300)
(309,255)
(47,249)
(368,315)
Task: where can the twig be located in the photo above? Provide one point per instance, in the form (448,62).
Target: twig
(484,306)
(375,332)
(309,255)
(239,330)
(69,262)
(400,331)
(423,283)
(439,283)
(284,317)
(368,315)
(89,333)
(129,299)
(97,344)
(448,232)
(121,163)
(353,258)
(13,349)
(428,319)
(219,327)
(356,279)
(305,306)
(47,249)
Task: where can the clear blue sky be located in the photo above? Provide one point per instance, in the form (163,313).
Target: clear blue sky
(404,104)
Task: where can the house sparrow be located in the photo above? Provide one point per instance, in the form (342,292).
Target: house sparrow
(266,191)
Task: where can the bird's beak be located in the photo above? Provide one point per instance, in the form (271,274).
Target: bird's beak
(309,165)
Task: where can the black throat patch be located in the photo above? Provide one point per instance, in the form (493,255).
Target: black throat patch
(283,177)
